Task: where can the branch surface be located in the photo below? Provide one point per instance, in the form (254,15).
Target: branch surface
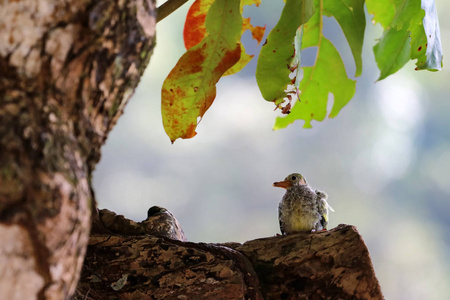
(327,265)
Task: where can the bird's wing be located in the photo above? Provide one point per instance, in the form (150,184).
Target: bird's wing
(322,197)
(323,206)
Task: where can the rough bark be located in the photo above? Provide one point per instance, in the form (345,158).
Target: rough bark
(327,265)
(331,264)
(67,68)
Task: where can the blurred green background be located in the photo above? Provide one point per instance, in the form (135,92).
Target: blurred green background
(384,161)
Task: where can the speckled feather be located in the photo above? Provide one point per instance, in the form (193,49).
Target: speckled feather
(161,222)
(302,208)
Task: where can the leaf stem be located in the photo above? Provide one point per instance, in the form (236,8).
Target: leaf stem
(320,27)
(168,7)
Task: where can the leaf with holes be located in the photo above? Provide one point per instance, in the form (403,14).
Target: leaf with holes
(351,17)
(275,59)
(327,75)
(189,89)
(257,34)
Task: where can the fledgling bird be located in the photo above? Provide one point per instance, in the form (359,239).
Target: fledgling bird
(161,222)
(301,209)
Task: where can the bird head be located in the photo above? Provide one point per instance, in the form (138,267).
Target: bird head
(155,210)
(294,179)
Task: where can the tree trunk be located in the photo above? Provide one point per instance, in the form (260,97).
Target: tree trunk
(67,68)
(331,264)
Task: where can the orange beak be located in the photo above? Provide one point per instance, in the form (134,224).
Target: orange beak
(285,184)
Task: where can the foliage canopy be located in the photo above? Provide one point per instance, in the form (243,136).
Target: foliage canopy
(212,34)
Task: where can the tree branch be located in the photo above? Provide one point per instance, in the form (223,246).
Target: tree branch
(331,264)
(168,7)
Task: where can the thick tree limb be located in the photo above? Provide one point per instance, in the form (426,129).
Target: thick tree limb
(331,264)
(149,267)
(325,265)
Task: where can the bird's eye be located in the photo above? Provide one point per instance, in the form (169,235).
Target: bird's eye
(294,177)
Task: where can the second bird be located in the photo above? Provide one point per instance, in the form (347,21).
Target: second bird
(301,209)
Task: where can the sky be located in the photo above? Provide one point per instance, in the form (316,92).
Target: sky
(384,160)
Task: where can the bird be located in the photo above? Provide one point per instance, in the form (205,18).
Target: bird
(301,209)
(161,222)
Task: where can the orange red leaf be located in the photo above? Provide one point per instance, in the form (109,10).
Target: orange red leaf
(189,89)
(194,26)
(195,30)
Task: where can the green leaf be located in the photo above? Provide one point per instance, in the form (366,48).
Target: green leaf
(411,32)
(327,75)
(351,17)
(392,52)
(408,13)
(273,69)
(257,33)
(295,64)
(189,89)
(382,10)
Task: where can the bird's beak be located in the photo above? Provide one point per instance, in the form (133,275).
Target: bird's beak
(285,184)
